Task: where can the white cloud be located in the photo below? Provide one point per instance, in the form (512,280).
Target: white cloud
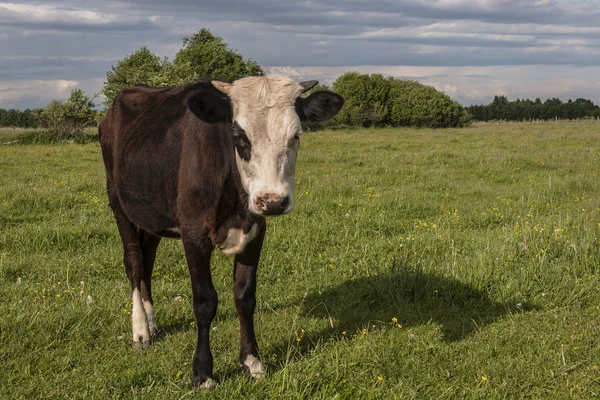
(37,93)
(56,18)
(471,49)
(40,13)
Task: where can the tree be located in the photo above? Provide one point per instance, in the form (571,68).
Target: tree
(141,67)
(206,55)
(202,55)
(67,119)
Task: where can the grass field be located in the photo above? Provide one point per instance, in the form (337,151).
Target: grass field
(417,264)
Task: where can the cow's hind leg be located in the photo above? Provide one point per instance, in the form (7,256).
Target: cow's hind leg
(244,292)
(149,244)
(133,258)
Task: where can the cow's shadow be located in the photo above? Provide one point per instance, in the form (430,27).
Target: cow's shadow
(412,297)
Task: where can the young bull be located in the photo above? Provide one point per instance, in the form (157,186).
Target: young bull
(204,162)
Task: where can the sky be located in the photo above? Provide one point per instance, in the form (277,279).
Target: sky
(470,49)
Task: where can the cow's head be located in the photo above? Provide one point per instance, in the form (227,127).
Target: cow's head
(266,112)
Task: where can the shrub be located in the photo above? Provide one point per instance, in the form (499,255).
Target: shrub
(67,120)
(366,99)
(415,104)
(372,100)
(47,137)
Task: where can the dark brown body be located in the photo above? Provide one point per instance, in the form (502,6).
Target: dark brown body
(171,174)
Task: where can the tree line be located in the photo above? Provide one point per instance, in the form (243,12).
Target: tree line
(524,109)
(19,118)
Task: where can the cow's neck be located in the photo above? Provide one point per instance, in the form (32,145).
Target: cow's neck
(236,226)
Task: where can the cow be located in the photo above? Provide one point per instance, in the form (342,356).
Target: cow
(204,162)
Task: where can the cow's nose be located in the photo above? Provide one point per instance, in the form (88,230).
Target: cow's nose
(272,204)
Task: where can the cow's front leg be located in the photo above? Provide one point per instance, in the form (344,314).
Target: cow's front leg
(244,271)
(198,251)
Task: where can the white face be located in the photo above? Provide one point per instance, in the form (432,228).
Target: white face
(268,173)
(267,135)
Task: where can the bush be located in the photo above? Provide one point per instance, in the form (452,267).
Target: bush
(47,137)
(366,99)
(36,137)
(415,104)
(67,120)
(372,100)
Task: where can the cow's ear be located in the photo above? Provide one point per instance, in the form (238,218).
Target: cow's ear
(210,106)
(319,106)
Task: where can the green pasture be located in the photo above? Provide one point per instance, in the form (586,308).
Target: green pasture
(443,264)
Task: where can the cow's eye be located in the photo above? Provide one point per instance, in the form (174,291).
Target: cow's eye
(295,141)
(243,147)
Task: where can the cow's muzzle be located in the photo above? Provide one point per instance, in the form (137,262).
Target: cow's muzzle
(271,204)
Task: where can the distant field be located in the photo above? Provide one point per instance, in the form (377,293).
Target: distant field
(457,263)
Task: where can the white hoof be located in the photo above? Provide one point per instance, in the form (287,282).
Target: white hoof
(153,329)
(254,367)
(139,320)
(140,344)
(207,384)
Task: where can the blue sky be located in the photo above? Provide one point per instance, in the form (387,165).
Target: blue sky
(471,49)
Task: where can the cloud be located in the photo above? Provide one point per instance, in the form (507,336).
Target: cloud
(34,94)
(44,17)
(38,93)
(463,47)
(50,68)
